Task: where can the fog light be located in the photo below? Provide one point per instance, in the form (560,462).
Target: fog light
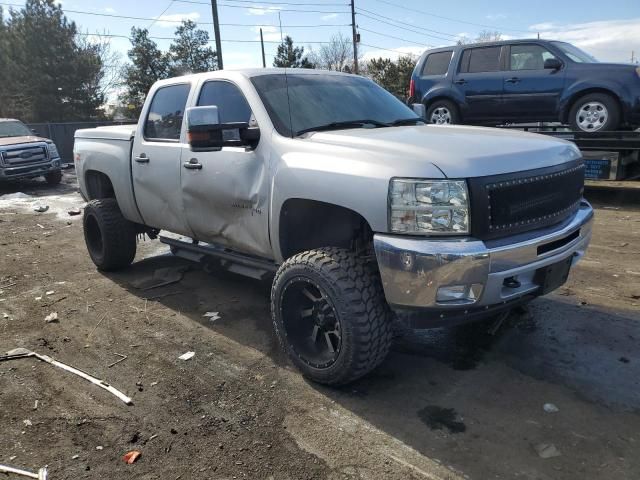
(459,293)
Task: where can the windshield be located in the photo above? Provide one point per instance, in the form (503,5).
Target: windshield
(574,53)
(14,129)
(316,101)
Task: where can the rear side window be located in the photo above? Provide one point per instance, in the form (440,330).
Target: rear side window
(437,63)
(483,59)
(164,119)
(231,103)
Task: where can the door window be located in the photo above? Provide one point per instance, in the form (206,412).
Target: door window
(483,59)
(437,63)
(231,103)
(528,57)
(164,119)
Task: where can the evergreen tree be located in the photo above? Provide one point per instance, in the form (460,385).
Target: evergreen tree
(190,52)
(393,76)
(148,64)
(291,57)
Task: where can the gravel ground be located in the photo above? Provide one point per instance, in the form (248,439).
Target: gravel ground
(448,403)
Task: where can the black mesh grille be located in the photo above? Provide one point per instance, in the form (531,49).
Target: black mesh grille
(510,204)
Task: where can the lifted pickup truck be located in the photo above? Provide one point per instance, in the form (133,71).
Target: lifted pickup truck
(358,210)
(26,155)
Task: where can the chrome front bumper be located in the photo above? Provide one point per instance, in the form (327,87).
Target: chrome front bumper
(416,271)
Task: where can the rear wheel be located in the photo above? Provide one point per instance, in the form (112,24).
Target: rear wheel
(330,315)
(595,112)
(443,112)
(53,178)
(110,238)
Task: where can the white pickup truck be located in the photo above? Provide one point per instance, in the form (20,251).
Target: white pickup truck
(358,210)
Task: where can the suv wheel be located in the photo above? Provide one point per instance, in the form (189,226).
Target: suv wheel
(443,112)
(110,238)
(53,178)
(596,112)
(330,315)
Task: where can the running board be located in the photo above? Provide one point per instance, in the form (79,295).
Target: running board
(229,260)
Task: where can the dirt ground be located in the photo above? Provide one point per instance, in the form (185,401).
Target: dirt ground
(447,404)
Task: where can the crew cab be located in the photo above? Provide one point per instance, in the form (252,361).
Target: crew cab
(24,154)
(519,81)
(357,210)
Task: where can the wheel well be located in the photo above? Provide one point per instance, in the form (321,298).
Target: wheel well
(429,102)
(577,96)
(98,185)
(309,224)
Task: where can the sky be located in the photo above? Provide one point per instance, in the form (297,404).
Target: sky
(608,30)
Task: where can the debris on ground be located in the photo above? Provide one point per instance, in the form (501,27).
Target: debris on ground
(187,356)
(550,408)
(547,450)
(212,316)
(74,211)
(51,318)
(121,359)
(27,423)
(160,278)
(99,447)
(24,353)
(50,292)
(5,315)
(41,475)
(131,457)
(41,208)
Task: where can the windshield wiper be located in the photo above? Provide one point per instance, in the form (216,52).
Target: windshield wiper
(341,125)
(407,121)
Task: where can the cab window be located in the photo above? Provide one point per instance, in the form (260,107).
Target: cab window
(528,57)
(482,59)
(231,103)
(164,119)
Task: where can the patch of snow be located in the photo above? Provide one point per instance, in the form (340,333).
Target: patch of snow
(58,204)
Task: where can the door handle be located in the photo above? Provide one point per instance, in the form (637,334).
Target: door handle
(193,164)
(512,80)
(142,158)
(462,81)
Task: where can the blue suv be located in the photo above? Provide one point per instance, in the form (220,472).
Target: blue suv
(521,81)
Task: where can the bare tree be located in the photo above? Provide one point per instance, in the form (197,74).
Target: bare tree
(336,55)
(483,37)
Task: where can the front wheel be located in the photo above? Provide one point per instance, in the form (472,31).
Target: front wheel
(443,112)
(596,112)
(110,238)
(330,315)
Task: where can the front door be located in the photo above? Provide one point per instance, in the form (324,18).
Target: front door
(155,165)
(531,92)
(226,197)
(479,81)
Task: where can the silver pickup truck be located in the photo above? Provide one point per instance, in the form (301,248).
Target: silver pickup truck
(330,186)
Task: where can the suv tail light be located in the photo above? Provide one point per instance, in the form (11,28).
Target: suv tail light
(412,88)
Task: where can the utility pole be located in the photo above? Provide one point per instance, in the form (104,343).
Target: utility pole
(355,37)
(216,32)
(264,62)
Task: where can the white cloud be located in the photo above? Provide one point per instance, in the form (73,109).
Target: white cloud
(110,10)
(608,40)
(393,53)
(269,33)
(259,11)
(496,16)
(172,20)
(331,16)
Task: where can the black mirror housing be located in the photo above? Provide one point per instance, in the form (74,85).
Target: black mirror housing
(552,64)
(213,137)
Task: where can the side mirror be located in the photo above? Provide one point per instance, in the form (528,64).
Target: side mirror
(552,64)
(206,133)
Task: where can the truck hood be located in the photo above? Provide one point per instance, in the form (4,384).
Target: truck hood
(457,151)
(7,141)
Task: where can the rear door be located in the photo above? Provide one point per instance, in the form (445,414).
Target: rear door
(226,196)
(479,80)
(155,163)
(531,93)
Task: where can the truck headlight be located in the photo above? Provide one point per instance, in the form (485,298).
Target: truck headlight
(434,207)
(53,150)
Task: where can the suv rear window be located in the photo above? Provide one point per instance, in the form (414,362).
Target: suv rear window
(483,59)
(437,63)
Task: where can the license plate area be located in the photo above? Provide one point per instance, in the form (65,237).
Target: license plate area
(553,276)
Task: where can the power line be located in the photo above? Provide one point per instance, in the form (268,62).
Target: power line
(267,9)
(422,12)
(163,12)
(396,38)
(228,40)
(407,28)
(255,2)
(380,48)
